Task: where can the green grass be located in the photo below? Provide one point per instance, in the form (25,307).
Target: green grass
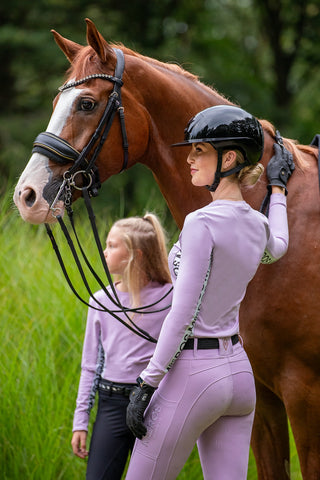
(42,328)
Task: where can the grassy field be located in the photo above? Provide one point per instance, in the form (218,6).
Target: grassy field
(42,328)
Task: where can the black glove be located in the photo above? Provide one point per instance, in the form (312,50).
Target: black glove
(140,397)
(280,167)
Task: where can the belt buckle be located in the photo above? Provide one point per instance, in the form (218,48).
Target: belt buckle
(225,343)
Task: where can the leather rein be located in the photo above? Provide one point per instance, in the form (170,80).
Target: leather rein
(60,151)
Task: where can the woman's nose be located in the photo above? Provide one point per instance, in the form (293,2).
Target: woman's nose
(190,158)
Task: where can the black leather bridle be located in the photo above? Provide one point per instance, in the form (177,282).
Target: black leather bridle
(61,152)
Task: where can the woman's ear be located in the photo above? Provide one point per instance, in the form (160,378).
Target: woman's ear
(139,254)
(229,160)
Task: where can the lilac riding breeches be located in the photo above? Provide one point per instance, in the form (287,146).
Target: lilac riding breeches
(208,398)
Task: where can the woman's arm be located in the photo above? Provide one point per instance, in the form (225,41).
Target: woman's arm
(279,170)
(89,360)
(190,286)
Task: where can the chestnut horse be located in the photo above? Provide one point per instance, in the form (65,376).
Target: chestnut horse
(278,318)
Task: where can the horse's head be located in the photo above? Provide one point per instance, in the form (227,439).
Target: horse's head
(87,123)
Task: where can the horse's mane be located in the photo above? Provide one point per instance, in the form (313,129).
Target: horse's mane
(292,145)
(169,66)
(173,67)
(85,62)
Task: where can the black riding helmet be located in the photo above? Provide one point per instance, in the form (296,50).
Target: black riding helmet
(226,127)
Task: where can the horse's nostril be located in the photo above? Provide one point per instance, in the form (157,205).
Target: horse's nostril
(30,198)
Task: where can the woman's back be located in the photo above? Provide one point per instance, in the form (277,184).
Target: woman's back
(228,238)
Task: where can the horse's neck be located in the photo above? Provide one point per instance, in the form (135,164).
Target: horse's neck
(173,101)
(175,98)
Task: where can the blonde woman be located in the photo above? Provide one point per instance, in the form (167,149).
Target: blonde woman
(199,381)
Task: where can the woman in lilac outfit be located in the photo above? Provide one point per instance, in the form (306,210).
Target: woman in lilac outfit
(199,379)
(113,355)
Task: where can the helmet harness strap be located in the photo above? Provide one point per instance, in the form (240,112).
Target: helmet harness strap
(219,174)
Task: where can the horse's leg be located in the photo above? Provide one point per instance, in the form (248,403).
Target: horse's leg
(270,436)
(302,397)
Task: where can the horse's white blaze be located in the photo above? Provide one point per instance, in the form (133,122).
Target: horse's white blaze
(28,194)
(62,110)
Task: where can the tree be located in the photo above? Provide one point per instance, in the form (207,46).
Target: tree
(291,29)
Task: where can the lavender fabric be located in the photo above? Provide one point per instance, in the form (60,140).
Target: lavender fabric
(219,250)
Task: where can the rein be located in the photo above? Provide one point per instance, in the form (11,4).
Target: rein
(61,152)
(316,143)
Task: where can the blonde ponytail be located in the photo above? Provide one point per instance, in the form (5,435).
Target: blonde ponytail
(248,176)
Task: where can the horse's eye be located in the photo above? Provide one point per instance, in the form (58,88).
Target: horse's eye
(87,104)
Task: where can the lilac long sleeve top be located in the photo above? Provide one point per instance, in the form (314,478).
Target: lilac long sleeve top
(111,350)
(219,250)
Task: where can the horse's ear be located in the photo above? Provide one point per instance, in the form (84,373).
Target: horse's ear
(69,48)
(97,42)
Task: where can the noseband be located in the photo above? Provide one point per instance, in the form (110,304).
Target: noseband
(60,151)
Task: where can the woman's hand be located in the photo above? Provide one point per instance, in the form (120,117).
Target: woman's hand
(140,397)
(78,443)
(279,169)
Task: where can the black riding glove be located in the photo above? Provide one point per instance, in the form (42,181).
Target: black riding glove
(140,397)
(280,168)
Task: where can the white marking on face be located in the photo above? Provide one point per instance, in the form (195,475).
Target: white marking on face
(62,110)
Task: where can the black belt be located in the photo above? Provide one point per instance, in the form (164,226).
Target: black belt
(113,387)
(207,343)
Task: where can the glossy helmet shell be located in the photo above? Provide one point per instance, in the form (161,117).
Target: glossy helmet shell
(227,126)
